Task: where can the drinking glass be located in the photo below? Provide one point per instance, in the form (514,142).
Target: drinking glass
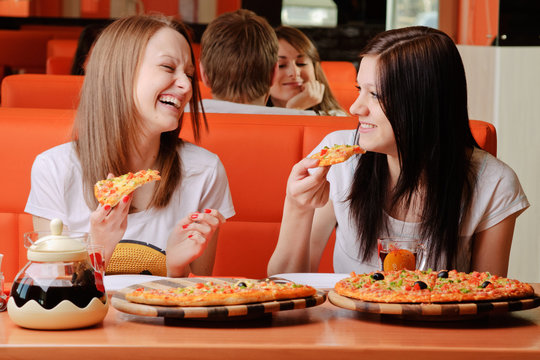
(398,253)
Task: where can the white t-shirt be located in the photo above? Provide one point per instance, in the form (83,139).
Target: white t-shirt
(220,106)
(56,192)
(497,195)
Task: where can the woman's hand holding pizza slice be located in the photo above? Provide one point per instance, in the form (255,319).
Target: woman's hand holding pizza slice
(337,154)
(108,224)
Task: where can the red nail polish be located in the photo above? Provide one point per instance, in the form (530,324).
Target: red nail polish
(208,211)
(190,236)
(185,226)
(125,199)
(107,207)
(194,216)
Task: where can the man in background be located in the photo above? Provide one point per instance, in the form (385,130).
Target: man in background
(239,53)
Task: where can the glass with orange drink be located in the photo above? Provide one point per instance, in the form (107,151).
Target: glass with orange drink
(397,253)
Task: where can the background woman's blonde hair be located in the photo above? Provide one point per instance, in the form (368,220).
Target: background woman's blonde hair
(239,52)
(107,125)
(303,45)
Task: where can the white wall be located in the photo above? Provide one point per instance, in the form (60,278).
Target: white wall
(504,89)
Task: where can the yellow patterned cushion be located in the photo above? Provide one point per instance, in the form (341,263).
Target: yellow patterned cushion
(134,257)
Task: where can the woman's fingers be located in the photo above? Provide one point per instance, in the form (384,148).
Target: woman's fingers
(308,188)
(201,223)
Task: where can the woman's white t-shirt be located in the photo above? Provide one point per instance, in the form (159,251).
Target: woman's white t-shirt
(497,194)
(57,192)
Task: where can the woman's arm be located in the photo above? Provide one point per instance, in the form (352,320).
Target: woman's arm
(491,247)
(324,223)
(204,264)
(108,225)
(305,193)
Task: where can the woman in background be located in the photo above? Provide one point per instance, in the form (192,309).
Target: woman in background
(300,82)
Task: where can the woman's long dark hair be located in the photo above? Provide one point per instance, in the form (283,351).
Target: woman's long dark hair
(423,92)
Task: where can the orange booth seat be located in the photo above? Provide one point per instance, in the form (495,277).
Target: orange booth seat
(257,177)
(59,65)
(62,47)
(62,91)
(25,51)
(339,71)
(345,93)
(41,91)
(51,91)
(60,54)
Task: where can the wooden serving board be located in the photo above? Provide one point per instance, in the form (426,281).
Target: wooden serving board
(450,311)
(118,301)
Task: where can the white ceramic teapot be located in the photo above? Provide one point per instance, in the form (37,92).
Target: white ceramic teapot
(58,288)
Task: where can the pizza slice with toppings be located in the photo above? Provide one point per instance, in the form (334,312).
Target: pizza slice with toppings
(111,191)
(336,154)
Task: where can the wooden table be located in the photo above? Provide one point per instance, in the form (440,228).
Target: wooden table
(322,332)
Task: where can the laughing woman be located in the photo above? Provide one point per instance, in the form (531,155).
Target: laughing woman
(138,80)
(422,177)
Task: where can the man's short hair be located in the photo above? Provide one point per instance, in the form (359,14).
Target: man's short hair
(239,51)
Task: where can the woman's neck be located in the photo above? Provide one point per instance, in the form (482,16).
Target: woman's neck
(394,169)
(145,154)
(411,212)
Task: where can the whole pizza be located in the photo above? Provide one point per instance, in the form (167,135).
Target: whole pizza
(415,286)
(213,294)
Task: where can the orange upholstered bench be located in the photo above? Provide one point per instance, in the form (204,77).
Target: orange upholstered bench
(51,90)
(257,177)
(41,91)
(339,71)
(26,50)
(59,91)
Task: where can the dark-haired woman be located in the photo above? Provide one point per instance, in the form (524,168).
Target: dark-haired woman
(422,177)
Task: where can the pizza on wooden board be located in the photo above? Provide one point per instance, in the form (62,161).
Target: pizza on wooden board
(415,286)
(215,294)
(336,154)
(111,191)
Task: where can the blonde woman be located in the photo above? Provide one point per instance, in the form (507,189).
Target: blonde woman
(138,80)
(299,82)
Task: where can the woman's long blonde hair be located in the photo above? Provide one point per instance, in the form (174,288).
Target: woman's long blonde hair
(107,125)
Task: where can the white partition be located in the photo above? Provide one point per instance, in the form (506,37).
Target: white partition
(504,89)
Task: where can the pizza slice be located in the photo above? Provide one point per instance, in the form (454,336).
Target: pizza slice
(336,154)
(110,191)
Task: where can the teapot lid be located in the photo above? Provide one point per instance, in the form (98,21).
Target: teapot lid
(58,247)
